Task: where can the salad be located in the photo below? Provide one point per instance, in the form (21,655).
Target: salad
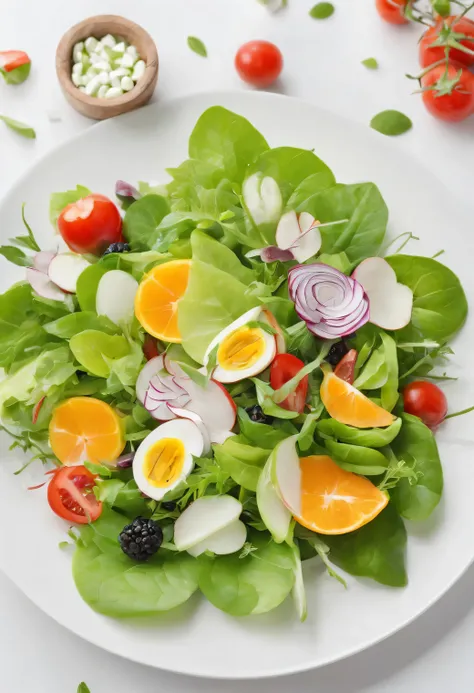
(223,378)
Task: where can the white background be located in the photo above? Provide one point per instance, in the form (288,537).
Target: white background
(322,64)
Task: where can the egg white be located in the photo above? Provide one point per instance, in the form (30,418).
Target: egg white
(193,442)
(224,375)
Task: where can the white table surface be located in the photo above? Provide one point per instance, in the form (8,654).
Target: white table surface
(322,64)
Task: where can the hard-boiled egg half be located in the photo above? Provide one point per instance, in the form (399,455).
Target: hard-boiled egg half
(243,349)
(166,457)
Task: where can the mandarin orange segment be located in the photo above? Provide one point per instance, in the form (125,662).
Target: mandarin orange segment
(349,406)
(157,298)
(334,501)
(85,429)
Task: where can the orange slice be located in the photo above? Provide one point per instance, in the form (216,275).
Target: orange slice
(156,301)
(334,501)
(85,429)
(349,406)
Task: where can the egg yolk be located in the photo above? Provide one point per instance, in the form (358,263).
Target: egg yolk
(241,349)
(164,462)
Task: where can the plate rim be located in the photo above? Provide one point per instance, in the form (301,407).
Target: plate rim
(219,94)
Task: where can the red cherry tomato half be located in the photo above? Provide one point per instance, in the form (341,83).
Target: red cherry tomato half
(71,495)
(283,369)
(392,11)
(346,366)
(10,60)
(91,224)
(430,54)
(425,400)
(259,63)
(450,103)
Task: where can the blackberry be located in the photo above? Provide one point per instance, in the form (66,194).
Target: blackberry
(117,248)
(256,414)
(336,353)
(141,539)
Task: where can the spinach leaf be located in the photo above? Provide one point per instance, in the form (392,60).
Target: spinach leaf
(322,10)
(242,462)
(391,123)
(227,141)
(364,207)
(309,187)
(439,301)
(354,458)
(70,325)
(21,128)
(376,550)
(416,445)
(252,585)
(370,63)
(263,435)
(113,585)
(368,437)
(142,219)
(213,299)
(59,200)
(389,390)
(196,45)
(209,250)
(290,167)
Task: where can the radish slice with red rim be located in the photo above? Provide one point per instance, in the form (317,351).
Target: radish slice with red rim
(43,286)
(191,416)
(115,296)
(65,269)
(42,260)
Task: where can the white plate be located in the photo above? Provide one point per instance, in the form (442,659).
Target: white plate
(198,639)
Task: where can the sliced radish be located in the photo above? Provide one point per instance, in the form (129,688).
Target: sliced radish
(43,286)
(285,474)
(275,514)
(115,296)
(262,197)
(148,396)
(42,260)
(192,416)
(203,518)
(390,303)
(151,368)
(65,269)
(225,541)
(299,234)
(214,406)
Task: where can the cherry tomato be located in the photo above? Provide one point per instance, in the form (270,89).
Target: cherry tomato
(444,29)
(392,11)
(259,63)
(91,224)
(283,369)
(451,96)
(10,60)
(425,400)
(71,495)
(346,366)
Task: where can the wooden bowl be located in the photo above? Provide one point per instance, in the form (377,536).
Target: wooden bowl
(94,107)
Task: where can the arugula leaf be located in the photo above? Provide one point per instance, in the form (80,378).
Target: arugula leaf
(227,141)
(58,201)
(197,46)
(391,123)
(19,127)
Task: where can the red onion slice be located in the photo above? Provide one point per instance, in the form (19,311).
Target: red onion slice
(272,253)
(126,192)
(164,389)
(331,303)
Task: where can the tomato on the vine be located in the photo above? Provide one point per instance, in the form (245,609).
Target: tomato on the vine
(448,92)
(425,400)
(392,11)
(448,32)
(91,224)
(283,369)
(71,495)
(259,63)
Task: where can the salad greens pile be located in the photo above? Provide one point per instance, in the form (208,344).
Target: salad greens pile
(54,350)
